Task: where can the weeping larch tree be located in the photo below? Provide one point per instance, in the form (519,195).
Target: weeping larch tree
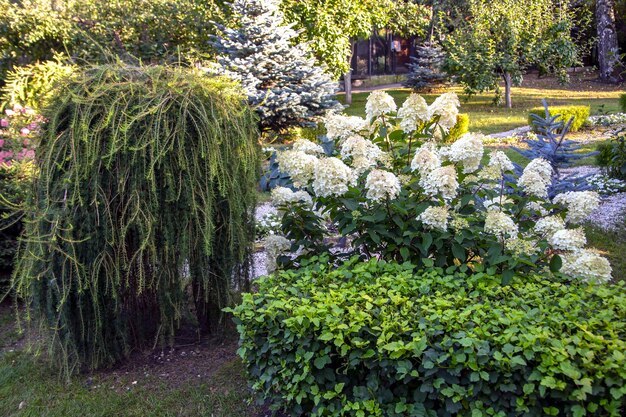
(145,194)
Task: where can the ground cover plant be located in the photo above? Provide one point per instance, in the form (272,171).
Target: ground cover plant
(146,183)
(380,339)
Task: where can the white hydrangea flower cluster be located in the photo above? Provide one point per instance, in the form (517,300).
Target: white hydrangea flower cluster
(435,217)
(426,159)
(446,106)
(282,196)
(568,239)
(441,181)
(502,162)
(364,153)
(548,226)
(339,126)
(497,203)
(414,111)
(536,178)
(500,224)
(587,265)
(381,185)
(331,177)
(275,245)
(306,146)
(379,103)
(580,204)
(521,247)
(299,165)
(467,150)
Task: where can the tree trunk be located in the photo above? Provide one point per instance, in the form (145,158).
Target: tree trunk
(507,89)
(347,85)
(608,49)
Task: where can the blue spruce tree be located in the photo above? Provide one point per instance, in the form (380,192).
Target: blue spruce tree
(280,76)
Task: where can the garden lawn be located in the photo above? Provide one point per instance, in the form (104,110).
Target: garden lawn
(487,118)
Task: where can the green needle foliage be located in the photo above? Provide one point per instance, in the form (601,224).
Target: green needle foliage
(146,194)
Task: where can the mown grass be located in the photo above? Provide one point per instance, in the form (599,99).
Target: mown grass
(487,118)
(612,245)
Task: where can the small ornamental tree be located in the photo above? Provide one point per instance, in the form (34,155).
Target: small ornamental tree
(145,191)
(499,40)
(426,68)
(281,78)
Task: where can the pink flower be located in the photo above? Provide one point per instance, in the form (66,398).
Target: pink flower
(9,112)
(4,123)
(25,131)
(1,143)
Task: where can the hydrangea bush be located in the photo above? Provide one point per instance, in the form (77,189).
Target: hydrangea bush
(394,190)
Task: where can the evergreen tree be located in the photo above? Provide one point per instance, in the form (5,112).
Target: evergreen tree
(426,68)
(281,78)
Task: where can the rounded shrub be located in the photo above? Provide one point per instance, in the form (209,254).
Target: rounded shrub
(460,128)
(145,194)
(579,113)
(379,339)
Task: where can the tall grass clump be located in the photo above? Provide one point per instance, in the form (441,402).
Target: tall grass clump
(142,209)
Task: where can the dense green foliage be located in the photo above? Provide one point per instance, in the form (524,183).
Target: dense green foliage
(146,188)
(460,128)
(91,30)
(622,102)
(31,85)
(612,155)
(499,40)
(378,339)
(579,113)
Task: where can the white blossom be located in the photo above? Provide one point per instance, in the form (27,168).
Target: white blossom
(331,177)
(283,196)
(521,246)
(379,103)
(579,204)
(587,265)
(299,165)
(497,203)
(442,181)
(364,153)
(426,159)
(537,207)
(541,167)
(459,223)
(306,146)
(413,112)
(381,185)
(275,245)
(446,106)
(468,150)
(435,217)
(568,239)
(533,184)
(500,224)
(548,226)
(339,126)
(501,161)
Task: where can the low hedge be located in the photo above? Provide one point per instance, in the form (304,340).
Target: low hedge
(460,128)
(580,114)
(377,339)
(622,102)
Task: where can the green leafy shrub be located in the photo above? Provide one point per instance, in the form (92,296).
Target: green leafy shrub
(579,113)
(145,193)
(460,128)
(378,339)
(622,102)
(612,155)
(31,85)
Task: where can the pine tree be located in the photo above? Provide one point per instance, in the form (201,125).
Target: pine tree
(281,78)
(426,68)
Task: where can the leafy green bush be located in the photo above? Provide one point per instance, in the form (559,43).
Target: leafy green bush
(460,128)
(159,167)
(612,155)
(378,339)
(31,85)
(580,114)
(622,102)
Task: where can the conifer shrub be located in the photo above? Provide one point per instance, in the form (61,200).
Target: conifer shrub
(145,194)
(579,113)
(460,128)
(380,339)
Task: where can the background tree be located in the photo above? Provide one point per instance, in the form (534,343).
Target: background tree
(280,76)
(425,69)
(499,40)
(608,48)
